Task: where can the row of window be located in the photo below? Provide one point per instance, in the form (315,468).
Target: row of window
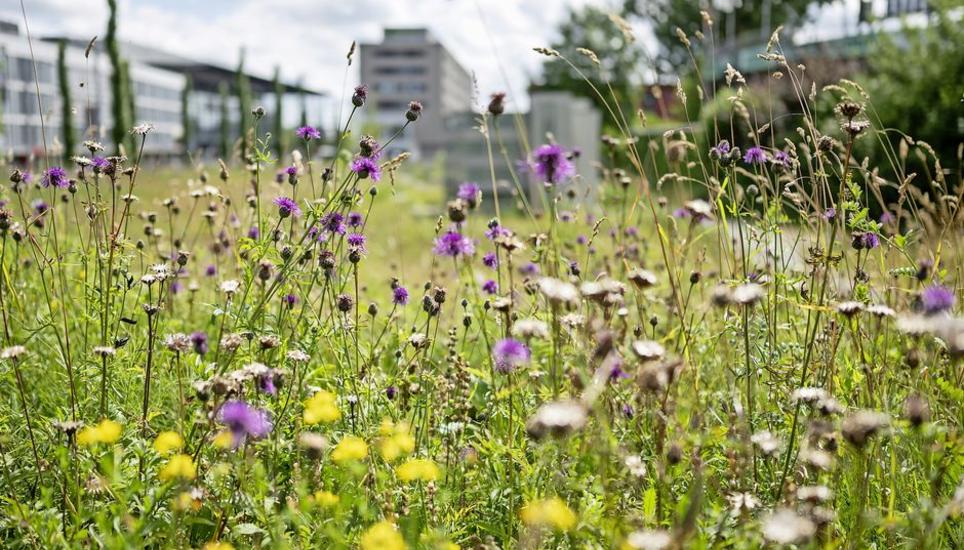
(383,87)
(407,70)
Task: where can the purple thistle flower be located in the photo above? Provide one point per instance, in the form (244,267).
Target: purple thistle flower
(40,206)
(199,340)
(266,384)
(886,217)
(529,269)
(399,296)
(308,133)
(26,176)
(490,287)
(254,232)
(551,164)
(358,98)
(681,213)
(355,219)
(509,355)
(830,213)
(100,163)
(582,240)
(616,373)
(291,170)
(211,270)
(720,150)
(356,241)
(866,240)
(781,158)
(287,207)
(366,168)
(755,155)
(333,222)
(244,421)
(471,193)
(55,176)
(937,299)
(454,244)
(289,300)
(490,260)
(176,287)
(391,392)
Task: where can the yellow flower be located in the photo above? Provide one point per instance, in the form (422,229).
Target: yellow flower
(223,439)
(167,442)
(218,546)
(350,448)
(417,469)
(551,512)
(321,407)
(326,499)
(178,467)
(187,500)
(106,432)
(383,535)
(395,441)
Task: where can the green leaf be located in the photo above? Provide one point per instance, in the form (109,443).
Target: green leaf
(649,504)
(247,529)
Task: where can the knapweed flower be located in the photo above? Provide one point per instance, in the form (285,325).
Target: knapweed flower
(308,133)
(471,193)
(510,354)
(287,207)
(399,296)
(356,241)
(321,407)
(359,96)
(755,155)
(552,513)
(101,165)
(490,260)
(490,287)
(355,219)
(55,176)
(417,469)
(167,442)
(106,432)
(551,163)
(720,150)
(454,244)
(366,168)
(350,449)
(200,342)
(244,421)
(333,222)
(384,535)
(937,299)
(178,467)
(864,240)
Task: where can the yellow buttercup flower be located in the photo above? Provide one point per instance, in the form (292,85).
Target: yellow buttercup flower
(321,407)
(552,513)
(396,440)
(218,546)
(178,467)
(223,439)
(167,442)
(350,448)
(106,432)
(383,535)
(187,501)
(417,469)
(326,499)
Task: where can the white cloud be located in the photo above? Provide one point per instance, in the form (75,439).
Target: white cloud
(309,38)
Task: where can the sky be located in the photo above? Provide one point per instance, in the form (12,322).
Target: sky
(309,39)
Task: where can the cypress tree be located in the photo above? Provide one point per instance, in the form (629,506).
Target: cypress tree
(119,104)
(225,145)
(67,117)
(186,114)
(244,105)
(279,134)
(130,107)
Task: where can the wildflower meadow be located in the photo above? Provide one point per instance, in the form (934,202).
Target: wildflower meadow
(734,341)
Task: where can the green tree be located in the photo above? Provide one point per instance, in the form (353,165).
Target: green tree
(244,105)
(119,104)
(279,133)
(730,23)
(187,124)
(225,141)
(915,84)
(66,113)
(617,61)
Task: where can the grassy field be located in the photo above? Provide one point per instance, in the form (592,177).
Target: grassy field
(345,362)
